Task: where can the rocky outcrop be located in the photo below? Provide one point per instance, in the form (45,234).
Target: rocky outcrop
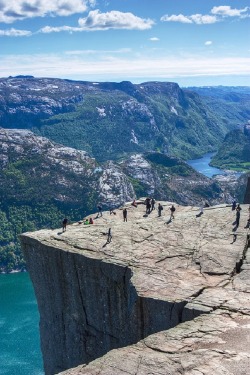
(187,277)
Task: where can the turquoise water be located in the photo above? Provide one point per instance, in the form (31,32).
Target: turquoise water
(202,165)
(19,321)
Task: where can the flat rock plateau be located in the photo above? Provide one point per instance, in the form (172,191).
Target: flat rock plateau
(163,297)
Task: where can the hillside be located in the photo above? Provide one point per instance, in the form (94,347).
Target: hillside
(231,104)
(110,120)
(41,182)
(234,152)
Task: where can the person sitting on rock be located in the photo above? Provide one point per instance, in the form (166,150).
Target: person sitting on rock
(86,222)
(91,221)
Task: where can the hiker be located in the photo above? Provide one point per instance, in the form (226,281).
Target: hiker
(152,204)
(86,222)
(234,205)
(99,210)
(134,203)
(160,208)
(172,210)
(201,211)
(91,221)
(109,239)
(148,205)
(64,224)
(237,221)
(125,214)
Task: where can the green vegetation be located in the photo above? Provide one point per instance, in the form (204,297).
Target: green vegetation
(234,152)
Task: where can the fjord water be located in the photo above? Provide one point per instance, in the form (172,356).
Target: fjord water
(202,165)
(19,327)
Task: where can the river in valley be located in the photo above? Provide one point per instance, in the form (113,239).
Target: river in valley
(202,165)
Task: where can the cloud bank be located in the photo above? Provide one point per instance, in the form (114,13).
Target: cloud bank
(217,14)
(13,10)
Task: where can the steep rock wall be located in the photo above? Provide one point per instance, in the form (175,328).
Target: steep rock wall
(94,296)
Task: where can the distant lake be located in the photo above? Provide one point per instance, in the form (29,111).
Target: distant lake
(202,165)
(20,352)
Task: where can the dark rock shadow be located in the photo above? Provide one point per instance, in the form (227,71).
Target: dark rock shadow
(234,238)
(199,214)
(169,221)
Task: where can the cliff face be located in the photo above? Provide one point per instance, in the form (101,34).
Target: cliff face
(94,296)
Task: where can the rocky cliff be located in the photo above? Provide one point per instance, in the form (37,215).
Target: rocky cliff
(187,277)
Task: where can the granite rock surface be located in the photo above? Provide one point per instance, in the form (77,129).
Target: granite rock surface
(170,296)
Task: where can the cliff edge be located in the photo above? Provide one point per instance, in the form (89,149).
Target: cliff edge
(188,277)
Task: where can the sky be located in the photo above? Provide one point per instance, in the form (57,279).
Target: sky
(190,42)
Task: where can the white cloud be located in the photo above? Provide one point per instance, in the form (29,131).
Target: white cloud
(208,43)
(15,32)
(195,18)
(154,39)
(114,20)
(217,14)
(50,29)
(227,11)
(12,10)
(176,18)
(199,19)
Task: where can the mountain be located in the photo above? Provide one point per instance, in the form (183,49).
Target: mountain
(110,120)
(231,104)
(42,182)
(234,152)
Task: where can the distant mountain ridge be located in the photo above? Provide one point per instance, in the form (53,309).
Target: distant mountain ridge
(110,120)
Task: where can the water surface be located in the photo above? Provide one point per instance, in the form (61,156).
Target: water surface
(19,321)
(202,165)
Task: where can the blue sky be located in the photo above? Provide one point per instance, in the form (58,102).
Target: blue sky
(191,42)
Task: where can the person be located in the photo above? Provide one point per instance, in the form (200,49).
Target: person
(86,221)
(148,205)
(109,239)
(125,214)
(64,224)
(237,221)
(152,204)
(134,203)
(172,210)
(160,208)
(234,205)
(99,210)
(201,211)
(91,221)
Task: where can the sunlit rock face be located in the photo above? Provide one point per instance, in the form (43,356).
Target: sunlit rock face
(171,296)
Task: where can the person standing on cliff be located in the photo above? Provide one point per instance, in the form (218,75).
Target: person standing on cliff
(238,209)
(160,208)
(172,210)
(64,224)
(125,214)
(99,210)
(109,239)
